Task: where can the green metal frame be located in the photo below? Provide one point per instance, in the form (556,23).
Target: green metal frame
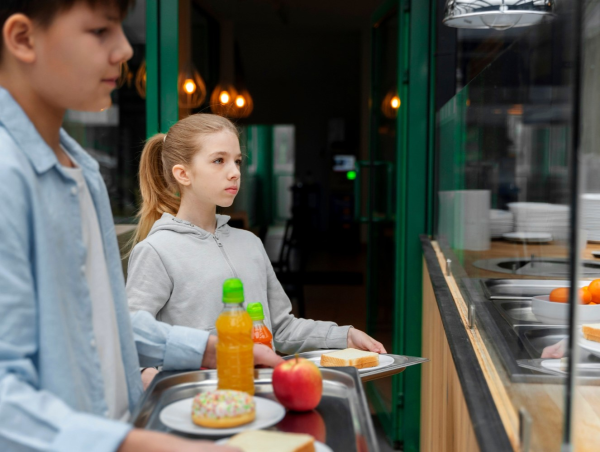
(162,65)
(414,208)
(416,202)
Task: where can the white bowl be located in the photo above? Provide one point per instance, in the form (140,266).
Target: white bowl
(553,313)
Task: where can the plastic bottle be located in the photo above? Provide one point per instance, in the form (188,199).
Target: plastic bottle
(235,355)
(260,332)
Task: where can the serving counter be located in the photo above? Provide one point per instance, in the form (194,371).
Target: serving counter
(470,399)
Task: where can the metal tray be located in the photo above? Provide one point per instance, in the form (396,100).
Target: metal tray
(517,312)
(518,289)
(587,369)
(400,363)
(343,409)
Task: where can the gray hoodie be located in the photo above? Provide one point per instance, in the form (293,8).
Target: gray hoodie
(177,275)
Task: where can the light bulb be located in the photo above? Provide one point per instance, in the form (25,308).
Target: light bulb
(240,101)
(395,102)
(189,86)
(224,97)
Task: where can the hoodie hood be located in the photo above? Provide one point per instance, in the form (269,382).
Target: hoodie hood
(169,223)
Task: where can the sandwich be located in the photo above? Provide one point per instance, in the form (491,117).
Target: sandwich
(591,332)
(350,357)
(266,441)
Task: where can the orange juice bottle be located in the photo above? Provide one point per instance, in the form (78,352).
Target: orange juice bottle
(260,332)
(235,355)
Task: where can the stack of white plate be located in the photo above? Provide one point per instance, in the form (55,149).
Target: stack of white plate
(541,217)
(591,215)
(501,222)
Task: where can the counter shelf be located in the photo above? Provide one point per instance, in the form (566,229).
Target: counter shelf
(516,335)
(343,407)
(400,363)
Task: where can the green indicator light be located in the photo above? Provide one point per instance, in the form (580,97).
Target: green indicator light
(351,175)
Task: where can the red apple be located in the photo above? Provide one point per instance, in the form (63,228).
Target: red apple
(310,422)
(298,384)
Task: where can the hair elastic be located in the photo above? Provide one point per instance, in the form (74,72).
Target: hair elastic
(165,138)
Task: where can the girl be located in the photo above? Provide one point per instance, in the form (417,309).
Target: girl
(183,250)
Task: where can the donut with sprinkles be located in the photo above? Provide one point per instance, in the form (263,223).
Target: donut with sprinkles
(223,409)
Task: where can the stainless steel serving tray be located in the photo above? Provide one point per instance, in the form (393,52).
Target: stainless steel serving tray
(343,407)
(400,363)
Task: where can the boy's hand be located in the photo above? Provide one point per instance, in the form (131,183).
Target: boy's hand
(210,353)
(264,356)
(362,341)
(147,376)
(149,441)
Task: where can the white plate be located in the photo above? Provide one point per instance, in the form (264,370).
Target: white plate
(532,237)
(319,446)
(553,313)
(554,364)
(591,346)
(178,416)
(384,361)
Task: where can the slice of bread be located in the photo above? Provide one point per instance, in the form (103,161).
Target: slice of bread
(591,332)
(350,357)
(265,441)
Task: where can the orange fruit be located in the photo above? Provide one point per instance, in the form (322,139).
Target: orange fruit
(560,295)
(585,295)
(595,290)
(591,303)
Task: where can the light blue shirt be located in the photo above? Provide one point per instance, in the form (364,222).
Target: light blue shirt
(51,388)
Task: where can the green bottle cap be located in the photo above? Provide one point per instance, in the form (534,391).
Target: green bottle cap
(256,311)
(233,291)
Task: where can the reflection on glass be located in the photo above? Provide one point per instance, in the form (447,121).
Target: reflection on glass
(503,216)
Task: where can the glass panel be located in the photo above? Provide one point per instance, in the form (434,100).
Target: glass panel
(588,363)
(503,214)
(382,243)
(115,136)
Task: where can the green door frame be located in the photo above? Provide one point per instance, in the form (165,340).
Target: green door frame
(162,65)
(414,208)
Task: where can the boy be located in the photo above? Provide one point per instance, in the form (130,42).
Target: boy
(69,369)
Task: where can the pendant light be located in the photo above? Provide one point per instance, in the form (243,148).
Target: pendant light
(229,99)
(190,87)
(222,99)
(496,14)
(242,104)
(124,76)
(140,80)
(390,104)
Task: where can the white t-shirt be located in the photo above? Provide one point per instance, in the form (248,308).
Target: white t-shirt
(103,309)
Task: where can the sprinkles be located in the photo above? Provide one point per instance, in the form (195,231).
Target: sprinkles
(222,403)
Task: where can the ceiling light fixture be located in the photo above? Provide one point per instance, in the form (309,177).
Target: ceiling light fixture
(496,14)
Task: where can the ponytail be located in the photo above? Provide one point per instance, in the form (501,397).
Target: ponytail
(157,190)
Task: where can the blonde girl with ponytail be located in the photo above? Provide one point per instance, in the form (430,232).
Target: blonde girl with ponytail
(183,250)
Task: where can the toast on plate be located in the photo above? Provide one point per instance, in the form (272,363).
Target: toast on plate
(350,357)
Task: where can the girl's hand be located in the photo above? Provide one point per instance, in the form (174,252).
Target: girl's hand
(362,341)
(556,350)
